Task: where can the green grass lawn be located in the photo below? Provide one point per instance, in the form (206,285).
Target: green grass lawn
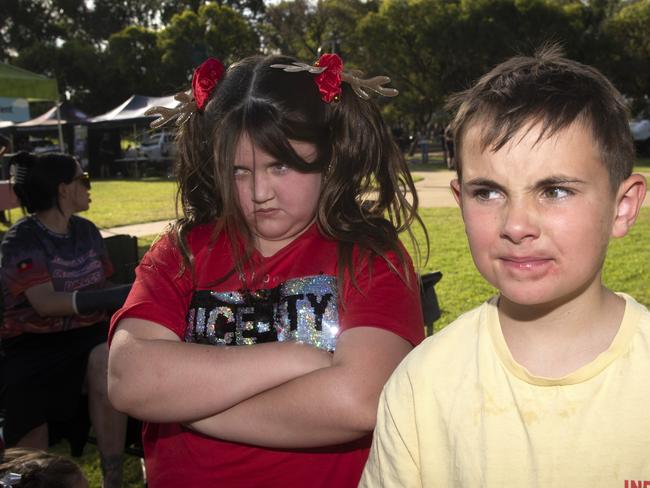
(123,202)
(642,164)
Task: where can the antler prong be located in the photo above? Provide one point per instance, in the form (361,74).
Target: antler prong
(181,113)
(295,67)
(374,84)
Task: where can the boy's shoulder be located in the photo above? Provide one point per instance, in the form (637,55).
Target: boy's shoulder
(456,347)
(456,344)
(639,316)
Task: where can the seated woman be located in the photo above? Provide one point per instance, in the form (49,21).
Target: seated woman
(54,270)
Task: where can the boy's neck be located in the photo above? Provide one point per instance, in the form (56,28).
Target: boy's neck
(555,340)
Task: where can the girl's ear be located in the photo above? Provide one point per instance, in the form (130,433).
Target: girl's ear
(629,198)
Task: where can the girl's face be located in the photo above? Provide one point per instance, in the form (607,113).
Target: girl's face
(278,202)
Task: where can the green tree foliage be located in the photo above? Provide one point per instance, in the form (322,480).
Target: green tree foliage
(305,29)
(629,29)
(431,48)
(191,37)
(110,16)
(24,23)
(133,63)
(105,50)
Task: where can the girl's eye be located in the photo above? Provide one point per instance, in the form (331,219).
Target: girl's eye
(238,171)
(280,168)
(556,193)
(486,194)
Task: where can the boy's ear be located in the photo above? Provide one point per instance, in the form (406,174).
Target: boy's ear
(456,190)
(629,198)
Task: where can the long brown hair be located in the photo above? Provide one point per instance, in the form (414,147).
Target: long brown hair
(367,198)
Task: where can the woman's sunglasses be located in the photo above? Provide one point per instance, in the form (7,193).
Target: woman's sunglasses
(84,179)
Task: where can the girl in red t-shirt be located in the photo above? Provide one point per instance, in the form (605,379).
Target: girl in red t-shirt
(262,327)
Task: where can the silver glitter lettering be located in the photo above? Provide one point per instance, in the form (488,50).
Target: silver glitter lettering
(199,328)
(189,329)
(242,332)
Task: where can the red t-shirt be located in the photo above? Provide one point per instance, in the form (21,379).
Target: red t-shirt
(291,295)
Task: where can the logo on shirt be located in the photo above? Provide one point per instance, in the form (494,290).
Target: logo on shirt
(25,265)
(303,309)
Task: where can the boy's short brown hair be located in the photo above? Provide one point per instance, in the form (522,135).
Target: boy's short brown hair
(554,91)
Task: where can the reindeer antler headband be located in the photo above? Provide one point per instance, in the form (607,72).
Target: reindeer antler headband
(328,70)
(329,73)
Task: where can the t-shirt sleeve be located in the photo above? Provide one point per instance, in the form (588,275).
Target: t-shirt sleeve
(394,456)
(159,294)
(383,298)
(24,263)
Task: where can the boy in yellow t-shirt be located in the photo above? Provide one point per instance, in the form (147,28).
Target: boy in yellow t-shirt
(547,384)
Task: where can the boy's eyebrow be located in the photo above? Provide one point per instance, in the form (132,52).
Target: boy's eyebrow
(557,180)
(550,181)
(484,182)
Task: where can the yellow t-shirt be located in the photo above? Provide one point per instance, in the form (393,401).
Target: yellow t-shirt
(459,411)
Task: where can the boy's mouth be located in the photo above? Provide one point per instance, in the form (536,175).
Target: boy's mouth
(525,262)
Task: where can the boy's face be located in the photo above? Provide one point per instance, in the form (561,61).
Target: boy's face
(538,216)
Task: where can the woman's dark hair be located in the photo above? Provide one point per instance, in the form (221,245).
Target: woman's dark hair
(367,195)
(36,178)
(39,469)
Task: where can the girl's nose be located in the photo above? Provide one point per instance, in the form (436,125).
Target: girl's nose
(262,190)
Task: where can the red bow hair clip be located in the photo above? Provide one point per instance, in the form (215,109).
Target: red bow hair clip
(329,81)
(204,80)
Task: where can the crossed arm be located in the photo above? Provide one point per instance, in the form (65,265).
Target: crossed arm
(284,395)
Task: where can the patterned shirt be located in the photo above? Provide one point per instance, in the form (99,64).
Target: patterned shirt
(32,255)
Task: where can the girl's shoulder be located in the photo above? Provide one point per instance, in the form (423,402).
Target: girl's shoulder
(199,238)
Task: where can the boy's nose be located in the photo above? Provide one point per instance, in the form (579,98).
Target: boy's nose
(520,222)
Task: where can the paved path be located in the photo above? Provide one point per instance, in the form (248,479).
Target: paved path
(433,191)
(138,230)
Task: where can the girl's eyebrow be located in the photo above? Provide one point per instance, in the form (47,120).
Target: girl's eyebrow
(238,164)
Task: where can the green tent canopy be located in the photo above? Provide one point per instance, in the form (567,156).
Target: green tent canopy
(20,83)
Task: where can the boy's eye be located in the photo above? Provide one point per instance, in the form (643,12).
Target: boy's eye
(556,193)
(486,194)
